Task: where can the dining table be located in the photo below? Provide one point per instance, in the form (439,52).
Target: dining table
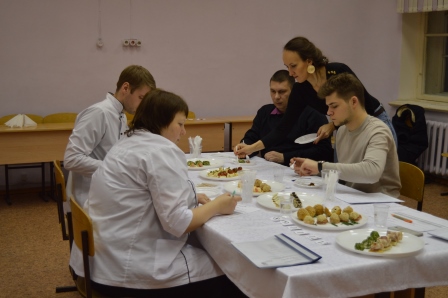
(418,262)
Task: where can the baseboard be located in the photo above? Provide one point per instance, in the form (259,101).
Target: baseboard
(17,191)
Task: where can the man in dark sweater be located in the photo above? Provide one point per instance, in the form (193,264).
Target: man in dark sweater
(269,116)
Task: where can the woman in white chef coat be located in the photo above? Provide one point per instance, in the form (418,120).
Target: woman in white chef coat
(143,207)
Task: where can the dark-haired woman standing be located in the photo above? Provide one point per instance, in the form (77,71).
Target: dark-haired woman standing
(311,69)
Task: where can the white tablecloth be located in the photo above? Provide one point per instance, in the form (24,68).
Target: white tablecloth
(340,273)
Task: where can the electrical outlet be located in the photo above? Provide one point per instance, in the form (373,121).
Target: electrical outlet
(132,42)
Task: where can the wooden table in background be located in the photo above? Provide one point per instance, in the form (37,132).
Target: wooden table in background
(211,130)
(238,125)
(42,143)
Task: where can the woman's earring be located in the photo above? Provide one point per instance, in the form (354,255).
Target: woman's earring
(310,68)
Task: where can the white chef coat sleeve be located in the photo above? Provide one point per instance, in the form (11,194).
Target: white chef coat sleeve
(170,189)
(88,132)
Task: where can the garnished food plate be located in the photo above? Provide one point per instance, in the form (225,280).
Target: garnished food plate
(409,245)
(242,162)
(233,186)
(331,227)
(266,200)
(309,182)
(207,174)
(197,164)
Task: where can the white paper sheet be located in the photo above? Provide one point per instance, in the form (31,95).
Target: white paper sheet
(366,198)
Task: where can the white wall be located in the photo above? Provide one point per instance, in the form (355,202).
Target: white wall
(218,55)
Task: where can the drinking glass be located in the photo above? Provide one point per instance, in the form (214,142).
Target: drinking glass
(247,185)
(286,206)
(380,213)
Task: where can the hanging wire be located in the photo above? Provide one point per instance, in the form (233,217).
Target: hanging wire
(99,19)
(130,19)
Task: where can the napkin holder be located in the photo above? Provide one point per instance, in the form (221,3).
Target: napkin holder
(20,120)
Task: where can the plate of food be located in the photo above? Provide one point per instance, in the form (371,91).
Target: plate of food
(272,200)
(336,219)
(309,182)
(382,244)
(260,187)
(196,164)
(243,162)
(221,174)
(306,138)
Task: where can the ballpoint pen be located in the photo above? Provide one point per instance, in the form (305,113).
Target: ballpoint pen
(233,194)
(402,218)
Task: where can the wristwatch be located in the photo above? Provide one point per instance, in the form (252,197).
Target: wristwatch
(319,165)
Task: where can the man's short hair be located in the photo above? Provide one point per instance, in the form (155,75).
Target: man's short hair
(282,75)
(137,76)
(345,85)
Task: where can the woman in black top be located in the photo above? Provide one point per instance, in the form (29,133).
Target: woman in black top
(311,70)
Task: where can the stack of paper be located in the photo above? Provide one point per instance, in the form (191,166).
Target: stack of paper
(276,251)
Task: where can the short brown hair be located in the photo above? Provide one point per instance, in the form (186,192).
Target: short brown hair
(156,111)
(281,76)
(137,76)
(306,50)
(345,85)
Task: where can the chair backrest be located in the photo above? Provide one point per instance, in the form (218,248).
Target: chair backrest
(60,118)
(81,222)
(83,238)
(129,117)
(412,183)
(61,197)
(35,118)
(191,115)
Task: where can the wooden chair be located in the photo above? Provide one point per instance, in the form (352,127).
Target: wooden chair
(445,154)
(412,183)
(191,115)
(61,197)
(82,227)
(60,118)
(37,119)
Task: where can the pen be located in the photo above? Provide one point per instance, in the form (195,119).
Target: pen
(402,218)
(233,194)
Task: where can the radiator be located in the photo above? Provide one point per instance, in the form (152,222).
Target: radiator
(431,161)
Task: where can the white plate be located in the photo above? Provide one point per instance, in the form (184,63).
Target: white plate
(409,245)
(233,186)
(306,138)
(265,200)
(209,192)
(305,182)
(214,163)
(203,174)
(328,226)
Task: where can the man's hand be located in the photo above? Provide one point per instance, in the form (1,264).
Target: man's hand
(305,166)
(275,157)
(325,131)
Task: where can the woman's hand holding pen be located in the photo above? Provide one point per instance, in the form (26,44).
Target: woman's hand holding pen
(227,203)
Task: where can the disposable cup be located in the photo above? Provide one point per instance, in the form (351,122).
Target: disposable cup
(195,151)
(279,173)
(380,214)
(247,185)
(286,206)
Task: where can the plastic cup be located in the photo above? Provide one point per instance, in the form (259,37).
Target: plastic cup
(195,151)
(285,206)
(247,185)
(279,173)
(380,214)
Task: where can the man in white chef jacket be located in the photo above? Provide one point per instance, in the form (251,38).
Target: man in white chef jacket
(101,125)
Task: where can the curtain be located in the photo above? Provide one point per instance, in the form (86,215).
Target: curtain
(410,6)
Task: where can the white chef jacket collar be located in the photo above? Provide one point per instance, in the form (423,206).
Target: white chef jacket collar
(115,102)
